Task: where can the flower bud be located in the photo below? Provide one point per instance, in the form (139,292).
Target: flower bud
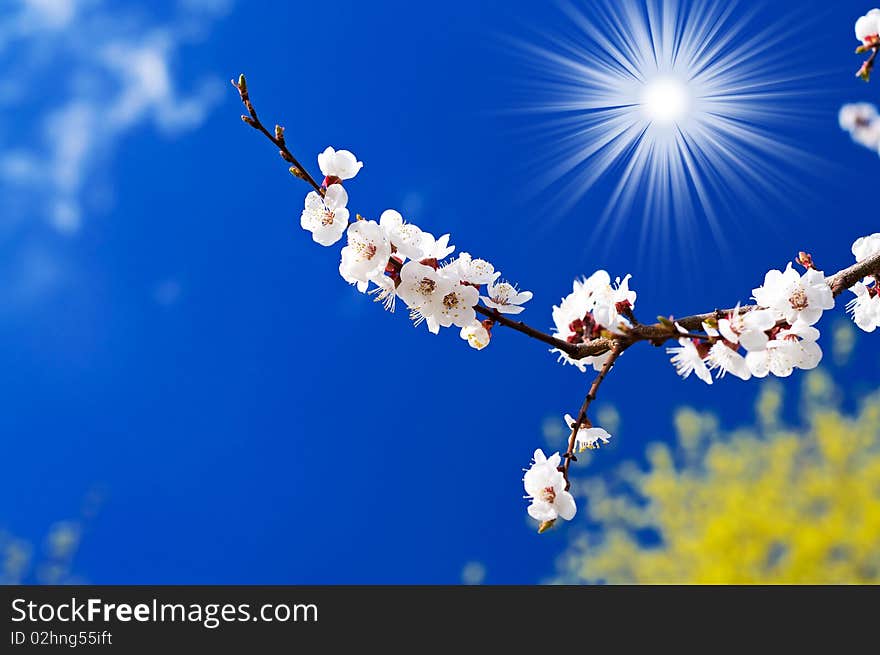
(805,259)
(545,525)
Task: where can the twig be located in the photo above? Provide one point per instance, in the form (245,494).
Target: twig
(581,419)
(570,349)
(868,65)
(278,138)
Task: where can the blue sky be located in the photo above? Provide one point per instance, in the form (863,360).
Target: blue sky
(174,344)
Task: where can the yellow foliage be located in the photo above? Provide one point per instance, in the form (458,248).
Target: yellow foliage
(768,504)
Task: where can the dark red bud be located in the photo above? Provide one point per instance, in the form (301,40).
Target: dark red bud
(702,348)
(392,268)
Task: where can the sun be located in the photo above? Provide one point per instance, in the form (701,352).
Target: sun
(666,101)
(678,106)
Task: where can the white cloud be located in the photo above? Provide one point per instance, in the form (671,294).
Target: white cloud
(54,14)
(79,75)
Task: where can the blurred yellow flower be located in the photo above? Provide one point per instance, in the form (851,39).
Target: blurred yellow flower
(766,504)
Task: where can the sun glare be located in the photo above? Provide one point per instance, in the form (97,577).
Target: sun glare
(678,106)
(666,101)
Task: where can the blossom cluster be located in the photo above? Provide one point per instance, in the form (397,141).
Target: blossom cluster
(865,307)
(545,483)
(862,121)
(594,306)
(392,258)
(776,337)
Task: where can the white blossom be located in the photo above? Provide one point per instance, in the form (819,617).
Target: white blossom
(687,359)
(777,358)
(806,353)
(405,237)
(860,119)
(465,268)
(436,248)
(572,308)
(326,218)
(727,359)
(587,438)
(748,330)
(340,164)
(868,26)
(856,114)
(605,302)
(545,487)
(865,307)
(865,247)
(573,318)
(476,335)
(366,255)
(795,297)
(792,348)
(456,306)
(505,298)
(422,289)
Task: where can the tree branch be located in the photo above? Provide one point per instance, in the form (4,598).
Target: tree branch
(656,333)
(581,419)
(659,333)
(573,350)
(278,138)
(604,341)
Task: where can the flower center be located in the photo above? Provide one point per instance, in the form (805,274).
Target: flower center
(450,300)
(502,294)
(798,299)
(548,494)
(366,250)
(328,218)
(426,286)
